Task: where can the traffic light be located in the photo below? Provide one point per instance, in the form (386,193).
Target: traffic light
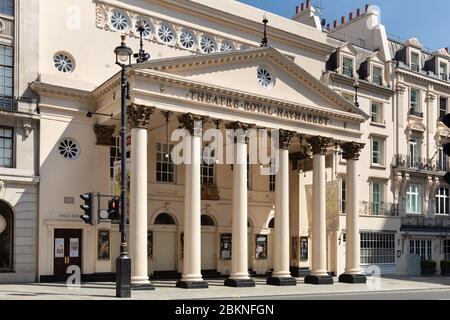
(88,208)
(446,146)
(113,209)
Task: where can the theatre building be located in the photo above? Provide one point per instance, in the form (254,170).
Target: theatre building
(328,209)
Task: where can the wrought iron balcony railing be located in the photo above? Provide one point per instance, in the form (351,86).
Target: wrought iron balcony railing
(378,209)
(418,164)
(421,222)
(414,112)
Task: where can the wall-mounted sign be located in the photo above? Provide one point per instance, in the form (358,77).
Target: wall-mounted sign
(303,248)
(261,247)
(225,246)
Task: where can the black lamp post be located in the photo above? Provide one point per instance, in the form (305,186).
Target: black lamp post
(356,86)
(265,42)
(123,262)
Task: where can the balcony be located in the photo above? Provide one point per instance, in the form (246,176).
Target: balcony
(422,223)
(414,112)
(378,209)
(407,163)
(443,77)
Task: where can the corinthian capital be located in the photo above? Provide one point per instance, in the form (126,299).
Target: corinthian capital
(188,120)
(351,150)
(138,116)
(104,134)
(319,144)
(285,138)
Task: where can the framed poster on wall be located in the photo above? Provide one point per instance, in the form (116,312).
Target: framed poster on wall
(303,248)
(225,246)
(104,245)
(261,247)
(150,244)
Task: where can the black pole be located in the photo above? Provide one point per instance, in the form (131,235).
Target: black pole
(123,262)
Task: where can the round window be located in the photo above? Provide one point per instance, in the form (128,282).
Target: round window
(69,149)
(265,77)
(187,39)
(226,46)
(207,45)
(63,62)
(118,20)
(165,34)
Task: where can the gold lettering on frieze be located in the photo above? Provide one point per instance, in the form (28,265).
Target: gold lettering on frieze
(257,107)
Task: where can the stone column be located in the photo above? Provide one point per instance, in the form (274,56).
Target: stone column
(282,275)
(192,277)
(351,152)
(139,118)
(239,247)
(319,274)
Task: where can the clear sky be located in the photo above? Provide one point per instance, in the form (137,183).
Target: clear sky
(426,20)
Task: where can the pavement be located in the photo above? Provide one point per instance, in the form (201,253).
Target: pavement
(166,290)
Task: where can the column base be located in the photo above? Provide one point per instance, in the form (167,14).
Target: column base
(192,284)
(142,286)
(312,279)
(281,282)
(239,283)
(352,278)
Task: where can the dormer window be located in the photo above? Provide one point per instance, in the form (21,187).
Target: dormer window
(347,67)
(377,75)
(415,62)
(443,74)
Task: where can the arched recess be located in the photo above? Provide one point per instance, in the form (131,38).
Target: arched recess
(209,242)
(6,237)
(163,245)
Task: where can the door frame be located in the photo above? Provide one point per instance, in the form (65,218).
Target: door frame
(80,248)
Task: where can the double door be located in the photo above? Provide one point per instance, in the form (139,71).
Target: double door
(67,251)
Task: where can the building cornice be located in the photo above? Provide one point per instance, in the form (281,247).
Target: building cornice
(42,88)
(388,92)
(424,78)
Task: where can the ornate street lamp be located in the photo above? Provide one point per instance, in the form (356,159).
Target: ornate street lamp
(123,262)
(356,86)
(265,42)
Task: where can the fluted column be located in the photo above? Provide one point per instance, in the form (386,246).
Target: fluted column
(139,118)
(351,152)
(192,277)
(282,275)
(319,274)
(239,250)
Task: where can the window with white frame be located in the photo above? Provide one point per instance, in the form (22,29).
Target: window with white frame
(343,194)
(415,61)
(414,147)
(421,248)
(442,160)
(414,198)
(6,77)
(443,75)
(442,201)
(415,100)
(347,66)
(208,167)
(165,168)
(442,107)
(377,197)
(6,147)
(377,112)
(377,248)
(377,151)
(377,75)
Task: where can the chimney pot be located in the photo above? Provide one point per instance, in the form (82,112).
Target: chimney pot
(350,16)
(367,7)
(446,49)
(358,12)
(297,9)
(308,3)
(335,24)
(328,27)
(343,20)
(303,7)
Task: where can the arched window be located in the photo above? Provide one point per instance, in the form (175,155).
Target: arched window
(207,221)
(6,237)
(165,218)
(272,223)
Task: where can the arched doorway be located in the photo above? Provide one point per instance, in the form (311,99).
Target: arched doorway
(164,240)
(209,257)
(6,237)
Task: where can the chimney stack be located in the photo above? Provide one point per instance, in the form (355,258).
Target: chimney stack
(350,16)
(302,7)
(297,9)
(367,7)
(358,12)
(328,27)
(308,3)
(335,24)
(343,20)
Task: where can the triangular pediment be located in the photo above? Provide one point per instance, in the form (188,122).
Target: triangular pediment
(238,71)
